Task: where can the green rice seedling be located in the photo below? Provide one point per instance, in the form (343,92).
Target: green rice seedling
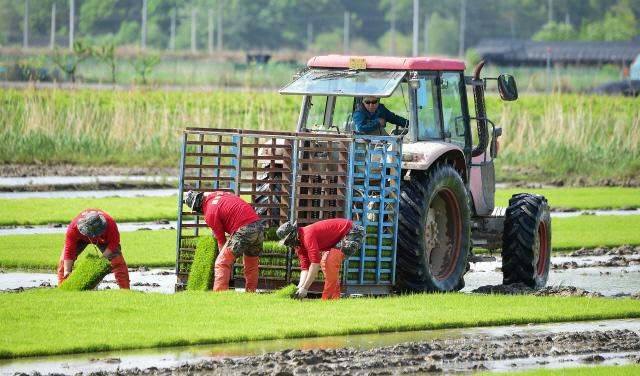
(201,273)
(286,292)
(619,370)
(270,234)
(87,273)
(162,320)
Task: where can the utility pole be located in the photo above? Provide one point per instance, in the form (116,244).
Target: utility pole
(144,24)
(219,46)
(426,34)
(550,10)
(52,42)
(392,32)
(193,30)
(210,39)
(25,24)
(172,36)
(345,40)
(71,22)
(309,34)
(415,27)
(463,26)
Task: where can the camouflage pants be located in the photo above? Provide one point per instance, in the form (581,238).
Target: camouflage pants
(351,243)
(247,240)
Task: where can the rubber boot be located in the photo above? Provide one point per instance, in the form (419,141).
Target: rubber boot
(120,271)
(250,272)
(330,264)
(222,270)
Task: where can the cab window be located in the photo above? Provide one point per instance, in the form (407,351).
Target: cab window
(452,116)
(428,114)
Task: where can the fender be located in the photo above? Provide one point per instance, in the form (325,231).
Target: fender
(422,155)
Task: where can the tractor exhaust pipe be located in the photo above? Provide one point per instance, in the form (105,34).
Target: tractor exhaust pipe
(481,112)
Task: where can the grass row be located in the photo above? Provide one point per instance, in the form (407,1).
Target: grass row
(157,248)
(142,320)
(625,370)
(545,137)
(40,211)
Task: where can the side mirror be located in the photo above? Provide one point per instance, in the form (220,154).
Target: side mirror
(507,87)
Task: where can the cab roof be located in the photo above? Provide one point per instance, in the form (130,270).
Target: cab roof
(387,62)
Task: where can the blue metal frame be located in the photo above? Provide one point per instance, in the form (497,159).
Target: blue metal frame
(378,179)
(374,170)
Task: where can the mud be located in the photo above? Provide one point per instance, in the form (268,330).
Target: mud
(473,353)
(24,170)
(615,261)
(606,251)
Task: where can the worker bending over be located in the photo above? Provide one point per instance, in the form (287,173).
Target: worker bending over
(322,245)
(96,227)
(226,213)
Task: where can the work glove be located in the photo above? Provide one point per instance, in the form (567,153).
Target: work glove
(301,293)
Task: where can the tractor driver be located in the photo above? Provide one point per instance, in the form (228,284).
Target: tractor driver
(371,116)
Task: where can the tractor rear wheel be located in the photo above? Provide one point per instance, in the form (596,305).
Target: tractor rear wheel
(526,241)
(433,231)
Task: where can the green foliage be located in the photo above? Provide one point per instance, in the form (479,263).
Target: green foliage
(205,318)
(440,30)
(201,272)
(619,23)
(554,31)
(144,65)
(106,54)
(87,273)
(68,62)
(472,57)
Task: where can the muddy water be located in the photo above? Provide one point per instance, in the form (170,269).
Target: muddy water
(78,180)
(59,228)
(492,348)
(608,281)
(153,280)
(92,193)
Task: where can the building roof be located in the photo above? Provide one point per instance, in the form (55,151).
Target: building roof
(387,62)
(526,52)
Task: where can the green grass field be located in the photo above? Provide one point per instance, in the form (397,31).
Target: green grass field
(157,248)
(579,198)
(120,319)
(41,211)
(140,248)
(625,370)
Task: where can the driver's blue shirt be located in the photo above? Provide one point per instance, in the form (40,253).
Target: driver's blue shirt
(367,122)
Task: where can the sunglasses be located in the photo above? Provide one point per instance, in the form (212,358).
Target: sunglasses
(371,102)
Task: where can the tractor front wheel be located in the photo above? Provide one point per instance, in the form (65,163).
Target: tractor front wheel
(526,241)
(433,231)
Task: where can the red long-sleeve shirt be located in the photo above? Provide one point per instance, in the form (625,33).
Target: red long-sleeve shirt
(319,237)
(110,237)
(226,213)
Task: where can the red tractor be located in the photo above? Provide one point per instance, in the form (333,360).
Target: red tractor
(448,182)
(425,192)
